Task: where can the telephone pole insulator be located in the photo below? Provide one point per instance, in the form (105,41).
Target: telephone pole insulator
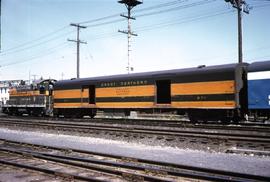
(129,4)
(78,41)
(241,6)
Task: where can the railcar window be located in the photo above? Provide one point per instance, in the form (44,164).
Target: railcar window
(163,92)
(42,89)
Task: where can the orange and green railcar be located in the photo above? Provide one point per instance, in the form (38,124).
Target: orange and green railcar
(218,92)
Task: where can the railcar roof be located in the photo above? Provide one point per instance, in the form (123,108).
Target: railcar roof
(259,66)
(153,74)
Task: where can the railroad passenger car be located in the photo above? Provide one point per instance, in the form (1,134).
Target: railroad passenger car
(259,89)
(35,99)
(204,93)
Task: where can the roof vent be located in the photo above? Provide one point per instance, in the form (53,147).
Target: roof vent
(201,66)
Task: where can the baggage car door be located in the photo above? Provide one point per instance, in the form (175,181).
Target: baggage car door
(92,94)
(163,91)
(84,96)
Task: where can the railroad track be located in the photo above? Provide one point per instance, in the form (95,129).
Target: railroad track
(247,127)
(183,122)
(72,164)
(216,139)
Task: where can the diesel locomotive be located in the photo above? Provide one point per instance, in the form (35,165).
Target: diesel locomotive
(230,92)
(34,99)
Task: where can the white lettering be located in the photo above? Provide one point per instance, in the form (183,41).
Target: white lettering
(269,100)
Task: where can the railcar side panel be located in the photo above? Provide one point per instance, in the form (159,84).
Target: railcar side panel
(71,98)
(215,94)
(259,87)
(107,96)
(259,94)
(141,96)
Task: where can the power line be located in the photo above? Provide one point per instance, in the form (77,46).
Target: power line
(35,40)
(106,23)
(19,47)
(141,10)
(161,5)
(36,45)
(44,53)
(260,6)
(177,8)
(99,19)
(166,24)
(202,2)
(169,23)
(181,21)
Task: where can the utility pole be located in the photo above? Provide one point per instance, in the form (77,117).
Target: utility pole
(78,41)
(34,76)
(240,5)
(62,76)
(129,4)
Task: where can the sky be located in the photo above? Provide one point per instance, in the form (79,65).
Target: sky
(171,34)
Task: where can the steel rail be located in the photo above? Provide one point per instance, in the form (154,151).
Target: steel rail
(151,131)
(191,171)
(183,129)
(156,122)
(49,171)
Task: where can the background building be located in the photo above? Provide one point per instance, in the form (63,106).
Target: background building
(4,89)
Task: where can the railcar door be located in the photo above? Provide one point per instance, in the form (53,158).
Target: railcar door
(84,95)
(92,94)
(163,92)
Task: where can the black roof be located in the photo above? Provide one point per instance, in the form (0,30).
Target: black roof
(154,74)
(259,66)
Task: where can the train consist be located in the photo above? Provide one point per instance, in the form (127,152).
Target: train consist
(225,92)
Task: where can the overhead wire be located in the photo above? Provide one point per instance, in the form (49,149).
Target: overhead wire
(25,46)
(43,54)
(202,2)
(154,26)
(144,9)
(35,40)
(19,47)
(181,21)
(37,44)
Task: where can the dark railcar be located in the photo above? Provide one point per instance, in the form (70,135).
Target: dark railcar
(214,92)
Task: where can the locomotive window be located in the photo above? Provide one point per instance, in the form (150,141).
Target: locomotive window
(163,93)
(42,89)
(92,94)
